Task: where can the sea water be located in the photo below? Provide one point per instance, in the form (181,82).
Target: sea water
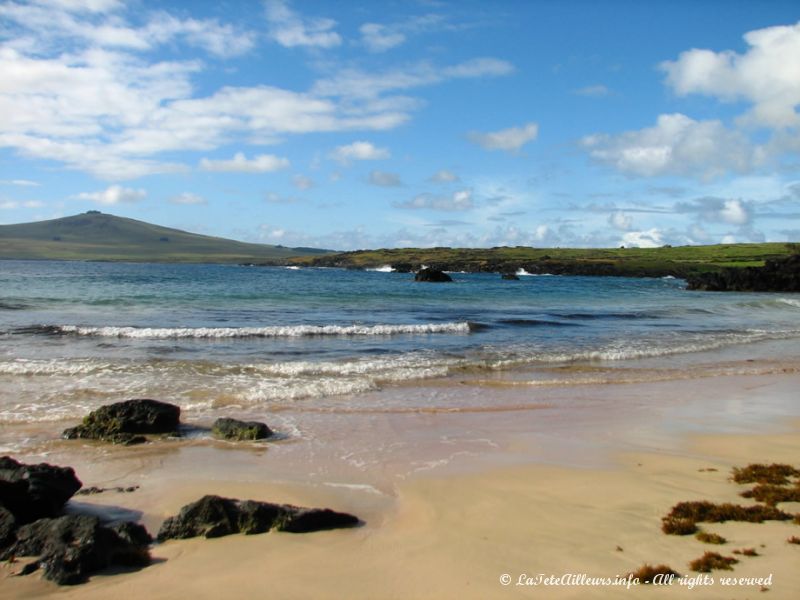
(220,340)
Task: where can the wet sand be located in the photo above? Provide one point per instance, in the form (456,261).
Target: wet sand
(569,482)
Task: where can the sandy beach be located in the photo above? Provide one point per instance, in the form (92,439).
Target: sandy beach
(563,495)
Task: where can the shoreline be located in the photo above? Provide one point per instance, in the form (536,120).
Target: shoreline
(550,495)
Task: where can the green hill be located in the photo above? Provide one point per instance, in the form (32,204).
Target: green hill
(98,236)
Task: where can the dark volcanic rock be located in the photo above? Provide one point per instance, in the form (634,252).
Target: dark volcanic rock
(71,548)
(779,275)
(214,516)
(233,429)
(432,275)
(8,524)
(510,276)
(30,492)
(124,422)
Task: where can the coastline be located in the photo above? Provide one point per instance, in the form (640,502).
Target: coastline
(558,498)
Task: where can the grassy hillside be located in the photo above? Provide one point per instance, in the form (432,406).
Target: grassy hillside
(98,236)
(679,261)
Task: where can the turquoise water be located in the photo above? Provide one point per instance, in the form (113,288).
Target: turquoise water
(214,338)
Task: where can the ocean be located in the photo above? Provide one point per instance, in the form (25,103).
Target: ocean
(272,342)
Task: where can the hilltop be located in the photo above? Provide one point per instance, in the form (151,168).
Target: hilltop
(98,236)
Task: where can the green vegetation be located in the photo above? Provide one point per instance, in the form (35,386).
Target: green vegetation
(710,561)
(679,261)
(97,236)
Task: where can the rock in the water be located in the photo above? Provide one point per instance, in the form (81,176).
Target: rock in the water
(214,516)
(432,275)
(780,275)
(510,276)
(30,492)
(124,422)
(233,429)
(73,547)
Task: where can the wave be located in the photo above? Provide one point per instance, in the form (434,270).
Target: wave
(287,331)
(524,273)
(383,269)
(535,323)
(12,306)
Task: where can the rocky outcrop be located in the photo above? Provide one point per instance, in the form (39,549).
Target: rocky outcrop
(510,276)
(125,422)
(235,430)
(432,275)
(780,275)
(214,516)
(70,548)
(31,492)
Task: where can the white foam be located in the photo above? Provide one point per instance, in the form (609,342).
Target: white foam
(790,301)
(267,332)
(292,268)
(383,269)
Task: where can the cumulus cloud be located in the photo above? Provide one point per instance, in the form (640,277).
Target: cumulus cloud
(301,182)
(380,38)
(13,204)
(720,210)
(384,179)
(509,140)
(459,201)
(767,75)
(188,198)
(290,29)
(593,91)
(359,150)
(263,163)
(114,194)
(652,238)
(443,176)
(619,220)
(676,145)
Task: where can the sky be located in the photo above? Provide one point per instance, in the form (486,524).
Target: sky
(363,124)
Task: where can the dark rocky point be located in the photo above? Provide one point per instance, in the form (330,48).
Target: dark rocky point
(214,516)
(233,429)
(510,276)
(125,422)
(70,548)
(31,492)
(779,275)
(432,275)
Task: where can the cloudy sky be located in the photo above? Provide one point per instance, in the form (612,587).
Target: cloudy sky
(407,123)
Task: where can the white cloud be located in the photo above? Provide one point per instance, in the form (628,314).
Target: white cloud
(719,210)
(677,145)
(766,75)
(188,198)
(263,163)
(459,201)
(290,29)
(93,6)
(359,151)
(301,182)
(12,204)
(114,194)
(652,238)
(384,179)
(379,38)
(443,176)
(509,140)
(593,91)
(20,182)
(620,220)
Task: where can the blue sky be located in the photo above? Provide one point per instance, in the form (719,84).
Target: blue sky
(412,123)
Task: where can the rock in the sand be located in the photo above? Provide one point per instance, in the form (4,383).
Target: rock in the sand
(432,275)
(214,516)
(30,492)
(8,524)
(234,429)
(125,422)
(71,548)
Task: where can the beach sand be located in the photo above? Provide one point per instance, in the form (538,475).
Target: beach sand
(528,505)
